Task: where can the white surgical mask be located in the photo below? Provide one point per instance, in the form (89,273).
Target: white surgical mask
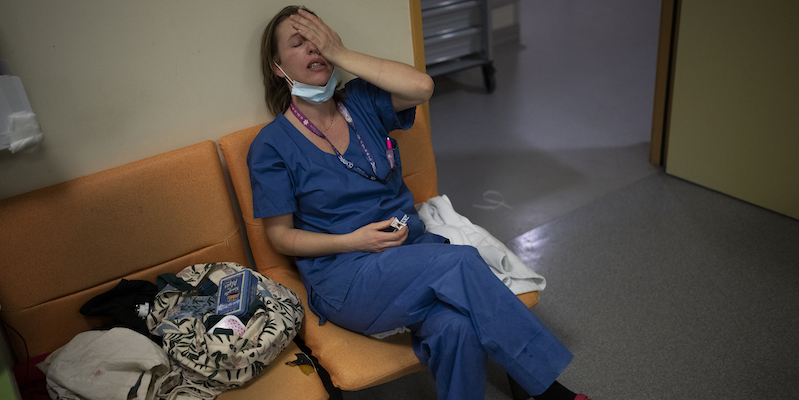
(312,93)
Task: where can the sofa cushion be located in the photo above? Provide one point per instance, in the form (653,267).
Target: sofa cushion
(64,244)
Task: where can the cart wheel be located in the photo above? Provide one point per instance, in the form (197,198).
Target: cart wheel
(488,77)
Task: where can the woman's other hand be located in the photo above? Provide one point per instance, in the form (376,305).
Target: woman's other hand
(372,238)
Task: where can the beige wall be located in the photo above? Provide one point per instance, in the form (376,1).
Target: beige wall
(734,123)
(115,81)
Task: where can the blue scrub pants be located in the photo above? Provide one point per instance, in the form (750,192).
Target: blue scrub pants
(459,313)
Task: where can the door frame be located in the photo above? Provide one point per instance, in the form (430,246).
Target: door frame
(667,49)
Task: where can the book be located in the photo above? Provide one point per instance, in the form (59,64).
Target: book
(236,292)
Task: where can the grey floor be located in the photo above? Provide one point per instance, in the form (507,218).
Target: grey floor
(661,288)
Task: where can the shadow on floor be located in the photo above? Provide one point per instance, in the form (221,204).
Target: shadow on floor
(513,192)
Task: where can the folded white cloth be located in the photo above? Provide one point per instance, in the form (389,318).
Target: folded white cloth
(440,218)
(115,364)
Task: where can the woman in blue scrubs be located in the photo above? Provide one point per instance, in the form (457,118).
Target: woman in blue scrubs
(327,180)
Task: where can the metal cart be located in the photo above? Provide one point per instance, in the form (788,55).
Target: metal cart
(457,35)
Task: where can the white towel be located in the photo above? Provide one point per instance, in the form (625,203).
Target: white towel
(440,218)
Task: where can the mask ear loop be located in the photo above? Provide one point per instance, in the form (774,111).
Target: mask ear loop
(286,76)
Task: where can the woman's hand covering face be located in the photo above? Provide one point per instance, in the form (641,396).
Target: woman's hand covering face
(317,32)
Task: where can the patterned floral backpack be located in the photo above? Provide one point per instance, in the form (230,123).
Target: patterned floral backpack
(206,364)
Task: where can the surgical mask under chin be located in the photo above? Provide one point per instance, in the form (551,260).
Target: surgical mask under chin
(312,93)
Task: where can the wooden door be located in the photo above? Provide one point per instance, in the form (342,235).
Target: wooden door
(730,112)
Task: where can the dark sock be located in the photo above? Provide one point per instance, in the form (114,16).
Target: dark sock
(556,392)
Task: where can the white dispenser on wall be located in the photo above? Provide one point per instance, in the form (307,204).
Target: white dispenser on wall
(19,129)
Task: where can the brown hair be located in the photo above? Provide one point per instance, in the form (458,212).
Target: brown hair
(278,94)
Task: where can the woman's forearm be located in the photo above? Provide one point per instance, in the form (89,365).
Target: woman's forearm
(409,87)
(291,241)
(288,240)
(297,242)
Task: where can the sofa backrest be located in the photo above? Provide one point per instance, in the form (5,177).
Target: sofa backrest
(64,244)
(418,170)
(418,161)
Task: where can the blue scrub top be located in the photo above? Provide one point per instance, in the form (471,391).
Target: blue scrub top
(289,174)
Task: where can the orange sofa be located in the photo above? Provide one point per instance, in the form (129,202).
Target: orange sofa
(353,361)
(67,243)
(64,244)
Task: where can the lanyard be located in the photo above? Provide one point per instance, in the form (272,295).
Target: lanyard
(349,164)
